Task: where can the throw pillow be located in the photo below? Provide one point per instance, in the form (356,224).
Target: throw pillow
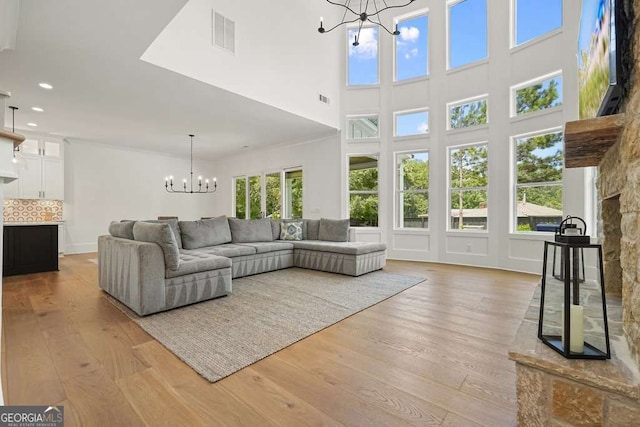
(291,230)
(205,232)
(334,230)
(124,230)
(304,225)
(163,236)
(173,223)
(250,230)
(313,229)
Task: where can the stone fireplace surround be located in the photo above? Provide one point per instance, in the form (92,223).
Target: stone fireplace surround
(556,391)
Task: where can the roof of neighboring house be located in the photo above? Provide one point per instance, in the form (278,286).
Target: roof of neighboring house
(525,209)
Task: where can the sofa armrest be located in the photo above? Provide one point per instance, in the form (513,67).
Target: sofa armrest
(132,272)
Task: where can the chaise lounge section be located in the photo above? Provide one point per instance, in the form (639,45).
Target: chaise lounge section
(156,265)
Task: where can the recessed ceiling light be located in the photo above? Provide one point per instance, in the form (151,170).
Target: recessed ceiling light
(45,86)
(38,109)
(32,124)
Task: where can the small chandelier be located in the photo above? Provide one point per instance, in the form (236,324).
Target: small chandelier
(168,181)
(363,14)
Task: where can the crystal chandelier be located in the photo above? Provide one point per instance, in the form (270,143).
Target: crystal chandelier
(368,10)
(168,181)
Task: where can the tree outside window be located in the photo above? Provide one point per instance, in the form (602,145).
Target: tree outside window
(539,163)
(412,190)
(540,95)
(255,197)
(468,181)
(241,197)
(412,48)
(293,193)
(363,191)
(273,195)
(465,114)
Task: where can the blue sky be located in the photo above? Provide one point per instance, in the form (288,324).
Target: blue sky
(468,38)
(412,123)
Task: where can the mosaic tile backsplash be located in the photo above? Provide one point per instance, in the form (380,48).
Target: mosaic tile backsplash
(32,210)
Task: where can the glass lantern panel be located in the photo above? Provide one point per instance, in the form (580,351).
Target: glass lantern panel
(591,295)
(553,294)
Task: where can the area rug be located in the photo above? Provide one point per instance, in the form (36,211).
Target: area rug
(264,314)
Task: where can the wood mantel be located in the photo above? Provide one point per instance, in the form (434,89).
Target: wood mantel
(586,141)
(16,138)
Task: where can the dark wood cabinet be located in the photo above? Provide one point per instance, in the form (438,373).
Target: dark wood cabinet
(29,249)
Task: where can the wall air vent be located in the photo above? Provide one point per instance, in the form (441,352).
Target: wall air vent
(323,98)
(223,32)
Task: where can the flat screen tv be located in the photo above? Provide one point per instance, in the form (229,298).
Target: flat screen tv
(598,62)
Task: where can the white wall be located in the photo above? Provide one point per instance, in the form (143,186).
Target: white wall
(497,247)
(280,58)
(320,161)
(105,183)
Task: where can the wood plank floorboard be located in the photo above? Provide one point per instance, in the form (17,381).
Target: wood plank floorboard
(435,354)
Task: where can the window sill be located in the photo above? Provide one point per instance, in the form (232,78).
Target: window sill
(411,231)
(472,233)
(361,140)
(416,137)
(359,87)
(466,67)
(468,129)
(536,40)
(411,80)
(538,113)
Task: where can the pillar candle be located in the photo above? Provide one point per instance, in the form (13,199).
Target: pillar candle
(577,328)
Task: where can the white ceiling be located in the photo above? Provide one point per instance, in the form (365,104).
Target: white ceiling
(89,51)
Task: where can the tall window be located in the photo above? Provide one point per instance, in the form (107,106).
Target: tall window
(467,32)
(535,95)
(363,59)
(362,127)
(467,113)
(293,193)
(273,190)
(534,18)
(412,48)
(409,123)
(538,181)
(281,196)
(363,191)
(241,197)
(412,190)
(468,167)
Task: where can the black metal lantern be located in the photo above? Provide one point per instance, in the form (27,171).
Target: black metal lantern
(573,309)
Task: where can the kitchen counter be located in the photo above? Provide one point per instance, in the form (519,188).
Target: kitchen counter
(19,223)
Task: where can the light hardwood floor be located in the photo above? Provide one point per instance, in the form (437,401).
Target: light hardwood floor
(435,354)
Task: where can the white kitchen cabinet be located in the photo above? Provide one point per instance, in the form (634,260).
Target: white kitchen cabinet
(40,171)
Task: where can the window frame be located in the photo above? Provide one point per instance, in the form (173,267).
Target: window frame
(449,5)
(368,85)
(362,116)
(514,180)
(349,192)
(415,135)
(450,189)
(513,93)
(397,20)
(466,101)
(398,212)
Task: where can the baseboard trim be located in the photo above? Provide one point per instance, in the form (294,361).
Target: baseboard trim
(80,248)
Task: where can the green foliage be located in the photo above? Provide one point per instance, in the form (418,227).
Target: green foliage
(241,198)
(524,227)
(274,196)
(415,177)
(466,115)
(254,196)
(296,196)
(549,196)
(469,169)
(536,97)
(363,208)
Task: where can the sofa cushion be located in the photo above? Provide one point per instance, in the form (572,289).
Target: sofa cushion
(205,232)
(175,227)
(348,248)
(264,247)
(291,230)
(229,250)
(334,230)
(275,229)
(250,230)
(163,236)
(313,228)
(196,262)
(124,230)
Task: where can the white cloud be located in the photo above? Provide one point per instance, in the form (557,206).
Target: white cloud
(411,54)
(409,34)
(368,47)
(423,127)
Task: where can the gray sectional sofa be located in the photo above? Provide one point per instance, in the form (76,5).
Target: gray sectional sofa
(156,265)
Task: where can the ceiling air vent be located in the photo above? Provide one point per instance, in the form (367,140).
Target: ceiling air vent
(323,98)
(223,32)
